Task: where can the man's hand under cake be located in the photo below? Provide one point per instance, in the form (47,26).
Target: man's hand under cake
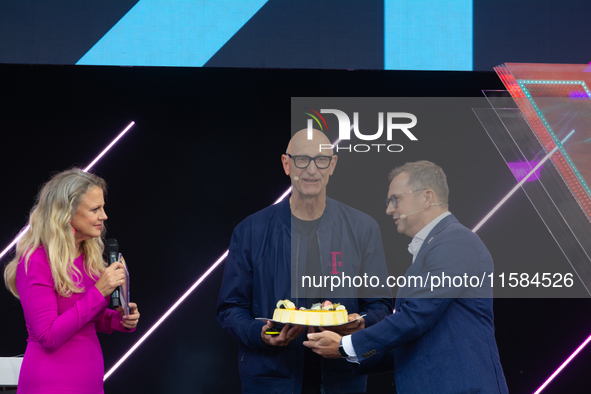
(325,343)
(358,323)
(320,314)
(288,333)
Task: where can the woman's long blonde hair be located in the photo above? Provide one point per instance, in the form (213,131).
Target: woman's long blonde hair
(50,226)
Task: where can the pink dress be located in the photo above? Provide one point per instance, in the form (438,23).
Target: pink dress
(63,352)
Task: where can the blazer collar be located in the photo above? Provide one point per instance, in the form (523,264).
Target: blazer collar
(327,215)
(446,221)
(439,227)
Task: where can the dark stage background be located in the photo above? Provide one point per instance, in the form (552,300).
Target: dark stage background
(205,153)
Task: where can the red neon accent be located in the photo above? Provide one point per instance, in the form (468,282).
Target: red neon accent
(543,135)
(321,117)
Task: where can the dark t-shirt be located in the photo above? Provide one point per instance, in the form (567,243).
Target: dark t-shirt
(312,361)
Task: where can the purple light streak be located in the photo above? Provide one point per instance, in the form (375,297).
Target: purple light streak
(177,303)
(564,364)
(129,126)
(165,315)
(523,180)
(24,230)
(283,196)
(578,95)
(521,169)
(533,171)
(14,241)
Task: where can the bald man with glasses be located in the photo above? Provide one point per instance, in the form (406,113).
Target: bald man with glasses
(306,234)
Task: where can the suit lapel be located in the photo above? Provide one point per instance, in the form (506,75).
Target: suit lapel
(417,267)
(428,243)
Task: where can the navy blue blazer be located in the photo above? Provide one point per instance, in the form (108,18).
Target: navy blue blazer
(441,340)
(258,273)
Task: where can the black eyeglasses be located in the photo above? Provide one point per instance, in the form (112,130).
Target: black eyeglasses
(321,162)
(394,198)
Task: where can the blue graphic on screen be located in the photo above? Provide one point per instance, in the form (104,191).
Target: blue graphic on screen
(185,33)
(428,35)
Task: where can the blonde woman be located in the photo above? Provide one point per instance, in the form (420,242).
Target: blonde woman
(64,286)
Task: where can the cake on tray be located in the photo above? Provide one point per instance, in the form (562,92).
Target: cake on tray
(325,314)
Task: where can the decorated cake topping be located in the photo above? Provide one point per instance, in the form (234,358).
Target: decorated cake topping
(325,306)
(320,314)
(286,304)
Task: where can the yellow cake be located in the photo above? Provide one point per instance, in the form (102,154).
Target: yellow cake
(323,316)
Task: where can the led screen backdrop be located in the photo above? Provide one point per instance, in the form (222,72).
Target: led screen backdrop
(461,35)
(200,159)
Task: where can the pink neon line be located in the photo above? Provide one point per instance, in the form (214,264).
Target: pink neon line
(177,303)
(496,208)
(14,241)
(163,317)
(283,196)
(24,230)
(180,300)
(129,126)
(564,364)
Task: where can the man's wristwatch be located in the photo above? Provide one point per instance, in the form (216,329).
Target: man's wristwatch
(342,351)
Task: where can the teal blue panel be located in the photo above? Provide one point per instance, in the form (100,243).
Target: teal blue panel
(428,35)
(171,32)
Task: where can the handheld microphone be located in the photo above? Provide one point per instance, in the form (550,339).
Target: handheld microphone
(112,252)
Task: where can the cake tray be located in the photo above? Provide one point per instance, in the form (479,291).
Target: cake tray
(278,324)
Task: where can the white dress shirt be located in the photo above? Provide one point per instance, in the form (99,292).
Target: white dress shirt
(415,245)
